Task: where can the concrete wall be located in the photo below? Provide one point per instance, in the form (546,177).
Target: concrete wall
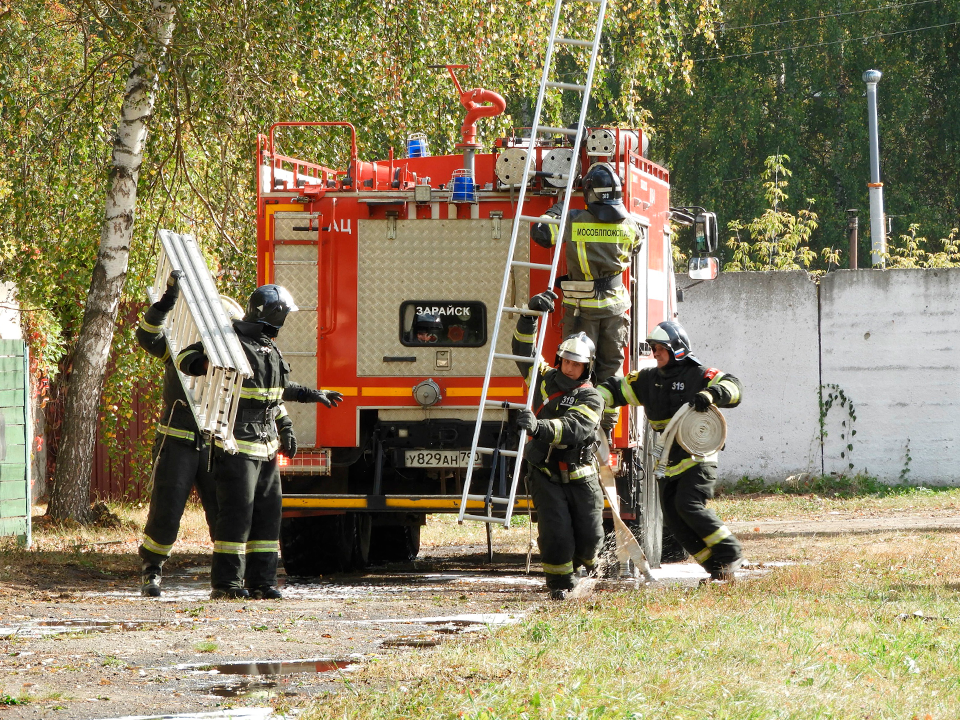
(762,328)
(891,343)
(885,342)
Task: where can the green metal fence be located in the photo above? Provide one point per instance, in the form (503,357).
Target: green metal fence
(15,434)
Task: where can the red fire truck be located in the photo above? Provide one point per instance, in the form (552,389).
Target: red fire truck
(375,252)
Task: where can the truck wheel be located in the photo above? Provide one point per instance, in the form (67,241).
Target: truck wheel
(361,551)
(651,517)
(312,546)
(394,543)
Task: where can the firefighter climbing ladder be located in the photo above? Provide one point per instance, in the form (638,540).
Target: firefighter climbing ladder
(199,315)
(504,504)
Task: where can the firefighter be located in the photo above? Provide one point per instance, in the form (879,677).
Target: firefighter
(562,475)
(246,545)
(427,328)
(599,243)
(179,451)
(688,481)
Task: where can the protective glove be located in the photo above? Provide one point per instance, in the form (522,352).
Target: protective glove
(556,210)
(170,295)
(702,400)
(526,420)
(329,398)
(543,302)
(288,442)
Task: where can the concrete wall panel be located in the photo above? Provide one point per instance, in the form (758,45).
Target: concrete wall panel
(891,343)
(762,327)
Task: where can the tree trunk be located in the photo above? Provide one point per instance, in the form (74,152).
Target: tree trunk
(70,494)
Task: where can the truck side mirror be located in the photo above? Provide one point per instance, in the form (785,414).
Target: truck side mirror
(705,227)
(703,268)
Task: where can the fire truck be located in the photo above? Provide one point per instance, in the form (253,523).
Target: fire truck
(396,265)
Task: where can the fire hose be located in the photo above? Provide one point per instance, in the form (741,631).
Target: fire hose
(699,433)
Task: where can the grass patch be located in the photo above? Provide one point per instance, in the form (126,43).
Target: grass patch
(836,637)
(206,646)
(7,700)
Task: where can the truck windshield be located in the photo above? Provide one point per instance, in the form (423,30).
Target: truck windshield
(443,323)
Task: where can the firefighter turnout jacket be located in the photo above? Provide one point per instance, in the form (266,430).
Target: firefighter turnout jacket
(663,391)
(260,410)
(177,419)
(597,254)
(571,412)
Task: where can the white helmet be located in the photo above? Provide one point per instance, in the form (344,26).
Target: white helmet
(579,348)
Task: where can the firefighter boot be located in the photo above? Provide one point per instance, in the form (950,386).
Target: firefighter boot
(266,592)
(150,580)
(229,594)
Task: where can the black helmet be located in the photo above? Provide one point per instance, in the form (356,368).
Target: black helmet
(270,305)
(603,193)
(427,323)
(671,335)
(579,348)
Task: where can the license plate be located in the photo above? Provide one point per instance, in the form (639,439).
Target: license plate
(438,458)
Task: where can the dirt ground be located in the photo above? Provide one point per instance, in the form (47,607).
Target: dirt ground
(80,642)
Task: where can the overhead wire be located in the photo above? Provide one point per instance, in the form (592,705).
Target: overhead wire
(892,6)
(874,36)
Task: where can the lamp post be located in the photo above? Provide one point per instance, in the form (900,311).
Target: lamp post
(878,237)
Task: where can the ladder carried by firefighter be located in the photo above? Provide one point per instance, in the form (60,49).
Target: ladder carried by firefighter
(199,315)
(499,509)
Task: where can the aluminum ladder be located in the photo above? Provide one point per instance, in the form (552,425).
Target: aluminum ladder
(199,315)
(505,503)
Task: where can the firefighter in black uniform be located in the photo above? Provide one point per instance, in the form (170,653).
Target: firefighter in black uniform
(563,476)
(599,243)
(179,451)
(688,480)
(246,546)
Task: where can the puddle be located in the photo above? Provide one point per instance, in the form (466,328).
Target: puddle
(43,628)
(251,713)
(261,688)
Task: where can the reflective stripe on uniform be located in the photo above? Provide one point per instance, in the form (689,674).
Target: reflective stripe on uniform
(152,329)
(176,432)
(681,466)
(626,388)
(618,297)
(256,393)
(153,546)
(565,569)
(582,472)
(255,449)
(732,389)
(184,355)
(557,427)
(659,425)
(718,535)
(529,339)
(263,546)
(606,395)
(229,548)
(702,556)
(587,412)
(282,412)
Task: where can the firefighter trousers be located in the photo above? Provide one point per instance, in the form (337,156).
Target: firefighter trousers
(697,528)
(179,468)
(248,525)
(570,526)
(610,333)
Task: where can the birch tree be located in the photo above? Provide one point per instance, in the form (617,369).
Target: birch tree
(69,496)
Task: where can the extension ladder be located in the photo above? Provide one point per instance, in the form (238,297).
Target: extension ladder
(199,315)
(492,502)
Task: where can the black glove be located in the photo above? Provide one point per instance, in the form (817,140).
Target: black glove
(170,295)
(526,420)
(556,210)
(543,302)
(702,400)
(329,398)
(288,442)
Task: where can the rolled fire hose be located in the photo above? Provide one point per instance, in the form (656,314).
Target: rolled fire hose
(699,433)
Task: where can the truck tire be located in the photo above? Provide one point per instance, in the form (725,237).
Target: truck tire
(394,543)
(650,516)
(361,553)
(313,546)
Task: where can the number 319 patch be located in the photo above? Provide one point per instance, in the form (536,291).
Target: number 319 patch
(678,386)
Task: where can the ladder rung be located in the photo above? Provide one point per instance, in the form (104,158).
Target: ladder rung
(486,519)
(559,130)
(532,266)
(566,86)
(573,41)
(504,452)
(492,499)
(515,358)
(549,219)
(525,311)
(505,405)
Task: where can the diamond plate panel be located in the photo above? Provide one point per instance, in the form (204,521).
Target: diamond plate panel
(299,333)
(303,371)
(295,267)
(285,222)
(432,260)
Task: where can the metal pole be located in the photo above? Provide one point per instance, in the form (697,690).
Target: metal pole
(878,237)
(853,224)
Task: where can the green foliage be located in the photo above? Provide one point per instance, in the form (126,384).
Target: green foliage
(830,486)
(7,699)
(832,394)
(911,251)
(778,239)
